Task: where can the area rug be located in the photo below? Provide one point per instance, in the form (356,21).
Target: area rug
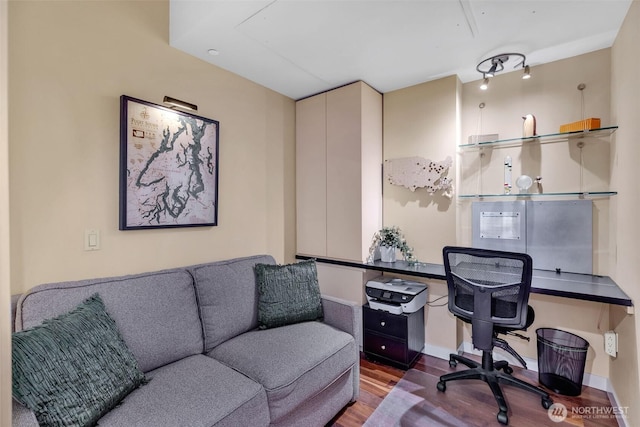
(416,402)
(407,405)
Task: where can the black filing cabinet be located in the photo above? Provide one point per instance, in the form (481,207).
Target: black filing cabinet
(395,339)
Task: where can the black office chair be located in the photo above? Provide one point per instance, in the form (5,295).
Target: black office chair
(490,290)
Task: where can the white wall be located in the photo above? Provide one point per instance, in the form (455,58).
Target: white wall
(69,63)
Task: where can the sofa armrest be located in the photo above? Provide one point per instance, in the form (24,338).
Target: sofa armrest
(14,306)
(346,316)
(21,416)
(343,315)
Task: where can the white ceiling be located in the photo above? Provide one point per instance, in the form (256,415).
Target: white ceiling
(303,47)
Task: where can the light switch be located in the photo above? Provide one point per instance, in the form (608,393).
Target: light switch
(91,240)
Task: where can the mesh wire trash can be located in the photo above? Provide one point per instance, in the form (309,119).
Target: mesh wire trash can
(561,359)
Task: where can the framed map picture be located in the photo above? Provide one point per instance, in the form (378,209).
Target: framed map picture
(168,167)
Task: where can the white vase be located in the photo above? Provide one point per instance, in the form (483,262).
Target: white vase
(387,253)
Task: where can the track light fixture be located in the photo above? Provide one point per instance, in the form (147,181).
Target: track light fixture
(495,64)
(176,103)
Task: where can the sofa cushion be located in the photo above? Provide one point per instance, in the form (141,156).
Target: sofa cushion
(74,368)
(227,297)
(287,294)
(156,313)
(293,363)
(197,391)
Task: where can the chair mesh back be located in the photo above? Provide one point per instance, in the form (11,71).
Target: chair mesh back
(479,273)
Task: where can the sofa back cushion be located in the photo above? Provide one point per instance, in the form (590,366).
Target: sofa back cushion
(227,297)
(156,313)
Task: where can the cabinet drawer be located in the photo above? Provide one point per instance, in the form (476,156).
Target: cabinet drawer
(386,347)
(394,325)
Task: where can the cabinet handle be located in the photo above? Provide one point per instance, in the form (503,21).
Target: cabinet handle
(382,323)
(383,347)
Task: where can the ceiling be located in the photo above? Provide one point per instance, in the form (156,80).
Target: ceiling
(302,47)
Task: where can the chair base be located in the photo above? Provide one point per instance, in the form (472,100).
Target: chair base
(494,374)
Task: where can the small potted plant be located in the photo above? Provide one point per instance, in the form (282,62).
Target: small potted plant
(388,240)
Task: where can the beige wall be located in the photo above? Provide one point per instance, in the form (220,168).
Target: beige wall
(5,287)
(422,120)
(551,95)
(625,102)
(69,64)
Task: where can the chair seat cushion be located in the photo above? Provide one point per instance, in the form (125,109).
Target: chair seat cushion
(197,391)
(293,363)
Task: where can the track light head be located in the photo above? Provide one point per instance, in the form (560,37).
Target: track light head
(527,73)
(492,70)
(485,84)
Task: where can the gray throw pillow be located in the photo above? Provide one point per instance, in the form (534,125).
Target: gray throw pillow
(287,294)
(74,368)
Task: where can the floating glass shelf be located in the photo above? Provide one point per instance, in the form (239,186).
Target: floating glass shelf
(592,133)
(584,194)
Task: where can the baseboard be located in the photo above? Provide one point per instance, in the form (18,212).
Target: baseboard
(436,351)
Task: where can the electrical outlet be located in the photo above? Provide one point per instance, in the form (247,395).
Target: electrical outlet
(611,343)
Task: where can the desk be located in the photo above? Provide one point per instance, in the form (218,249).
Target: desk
(569,285)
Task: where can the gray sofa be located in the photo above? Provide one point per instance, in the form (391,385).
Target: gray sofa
(194,333)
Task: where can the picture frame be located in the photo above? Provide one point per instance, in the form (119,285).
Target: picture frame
(168,167)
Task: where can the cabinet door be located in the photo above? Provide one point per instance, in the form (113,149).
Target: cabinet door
(354,156)
(344,201)
(311,176)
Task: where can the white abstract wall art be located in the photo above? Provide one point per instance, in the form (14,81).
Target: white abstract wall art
(417,172)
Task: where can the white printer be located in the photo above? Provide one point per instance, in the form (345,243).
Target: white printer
(396,295)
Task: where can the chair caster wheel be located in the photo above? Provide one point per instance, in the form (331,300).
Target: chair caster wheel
(442,386)
(453,363)
(503,418)
(546,403)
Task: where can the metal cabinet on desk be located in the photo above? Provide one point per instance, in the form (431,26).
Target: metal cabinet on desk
(395,339)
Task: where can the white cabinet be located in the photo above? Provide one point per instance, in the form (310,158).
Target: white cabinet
(338,172)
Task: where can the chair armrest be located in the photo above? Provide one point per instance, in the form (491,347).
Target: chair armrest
(343,315)
(21,416)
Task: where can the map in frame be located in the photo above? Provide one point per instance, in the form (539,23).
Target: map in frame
(168,167)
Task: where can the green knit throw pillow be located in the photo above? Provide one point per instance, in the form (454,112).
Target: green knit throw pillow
(287,294)
(73,369)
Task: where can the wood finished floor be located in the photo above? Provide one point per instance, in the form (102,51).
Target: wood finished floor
(376,380)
